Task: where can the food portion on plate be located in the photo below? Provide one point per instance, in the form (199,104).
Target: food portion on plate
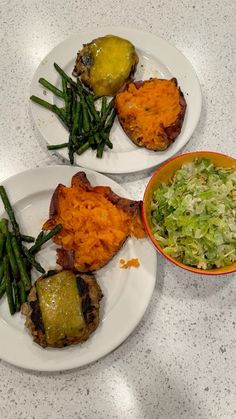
(62,305)
(88,127)
(62,308)
(131,263)
(95,223)
(105,64)
(16,259)
(151,112)
(193,216)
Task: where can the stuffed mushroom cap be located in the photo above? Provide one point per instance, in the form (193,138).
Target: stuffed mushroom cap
(62,308)
(106,64)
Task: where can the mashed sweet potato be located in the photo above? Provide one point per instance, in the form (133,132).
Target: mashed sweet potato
(151,112)
(126,264)
(95,223)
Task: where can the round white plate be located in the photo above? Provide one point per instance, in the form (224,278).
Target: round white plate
(157,58)
(127,292)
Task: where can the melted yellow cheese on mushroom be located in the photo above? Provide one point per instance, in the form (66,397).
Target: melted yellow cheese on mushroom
(112,59)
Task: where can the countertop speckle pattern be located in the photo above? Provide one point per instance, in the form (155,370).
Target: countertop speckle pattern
(180,362)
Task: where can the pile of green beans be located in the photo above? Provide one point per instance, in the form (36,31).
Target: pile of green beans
(88,127)
(16,260)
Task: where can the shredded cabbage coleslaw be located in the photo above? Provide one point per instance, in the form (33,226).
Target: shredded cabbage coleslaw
(194,215)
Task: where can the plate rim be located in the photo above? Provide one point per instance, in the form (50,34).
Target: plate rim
(117,341)
(147,159)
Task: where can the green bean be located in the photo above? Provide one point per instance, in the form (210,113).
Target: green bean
(70,119)
(64,75)
(82,90)
(70,149)
(70,107)
(67,99)
(4,227)
(11,258)
(39,236)
(57,146)
(2,288)
(104,105)
(27,239)
(109,144)
(107,111)
(53,108)
(96,129)
(80,121)
(86,121)
(105,136)
(10,212)
(86,135)
(97,138)
(92,109)
(75,107)
(50,87)
(91,141)
(37,246)
(110,121)
(64,89)
(2,242)
(24,276)
(8,285)
(83,148)
(79,87)
(43,103)
(87,126)
(76,119)
(1,272)
(74,112)
(100,149)
(32,260)
(16,296)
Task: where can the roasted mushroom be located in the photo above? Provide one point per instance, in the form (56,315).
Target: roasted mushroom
(105,64)
(62,308)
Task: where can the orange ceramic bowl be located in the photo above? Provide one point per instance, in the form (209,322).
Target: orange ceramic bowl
(164,174)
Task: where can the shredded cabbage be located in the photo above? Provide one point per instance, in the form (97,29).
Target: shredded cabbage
(194,215)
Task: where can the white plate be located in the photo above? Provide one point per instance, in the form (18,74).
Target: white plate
(126,292)
(157,59)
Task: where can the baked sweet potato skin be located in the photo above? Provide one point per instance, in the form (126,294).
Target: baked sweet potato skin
(108,238)
(80,180)
(144,120)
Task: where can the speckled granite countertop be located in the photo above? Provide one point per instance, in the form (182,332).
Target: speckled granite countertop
(180,362)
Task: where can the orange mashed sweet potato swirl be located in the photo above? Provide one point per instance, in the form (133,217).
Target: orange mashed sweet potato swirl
(134,262)
(92,226)
(147,110)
